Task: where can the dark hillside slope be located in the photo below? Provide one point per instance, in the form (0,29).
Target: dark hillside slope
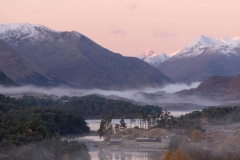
(6,81)
(76,59)
(217,87)
(22,70)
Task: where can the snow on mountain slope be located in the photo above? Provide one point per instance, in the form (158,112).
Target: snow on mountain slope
(203,41)
(197,46)
(153,58)
(13,32)
(231,42)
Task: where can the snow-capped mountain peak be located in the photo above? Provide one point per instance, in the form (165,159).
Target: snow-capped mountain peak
(150,53)
(153,58)
(22,29)
(204,41)
(13,32)
(197,46)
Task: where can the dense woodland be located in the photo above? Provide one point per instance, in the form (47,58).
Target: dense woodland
(93,106)
(24,129)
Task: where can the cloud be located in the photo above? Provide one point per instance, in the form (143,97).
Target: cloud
(132,6)
(117,31)
(163,34)
(166,96)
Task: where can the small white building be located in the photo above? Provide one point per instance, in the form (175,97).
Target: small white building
(165,139)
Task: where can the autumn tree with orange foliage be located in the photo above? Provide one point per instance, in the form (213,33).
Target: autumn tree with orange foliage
(167,155)
(196,135)
(178,155)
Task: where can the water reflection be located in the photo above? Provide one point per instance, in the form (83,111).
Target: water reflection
(123,154)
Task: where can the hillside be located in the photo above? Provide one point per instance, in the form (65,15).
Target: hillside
(74,58)
(218,88)
(22,70)
(6,81)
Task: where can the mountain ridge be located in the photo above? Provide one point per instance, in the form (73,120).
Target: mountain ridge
(74,58)
(197,46)
(200,60)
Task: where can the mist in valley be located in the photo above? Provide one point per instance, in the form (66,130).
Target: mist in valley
(163,96)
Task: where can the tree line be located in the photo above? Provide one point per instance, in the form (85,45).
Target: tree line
(142,120)
(154,119)
(93,106)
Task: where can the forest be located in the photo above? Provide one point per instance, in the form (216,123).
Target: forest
(93,106)
(24,128)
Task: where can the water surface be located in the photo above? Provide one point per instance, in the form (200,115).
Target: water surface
(98,153)
(124,154)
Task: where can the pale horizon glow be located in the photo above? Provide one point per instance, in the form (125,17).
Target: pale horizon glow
(131,27)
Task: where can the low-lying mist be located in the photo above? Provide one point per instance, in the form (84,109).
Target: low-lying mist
(60,91)
(146,95)
(172,88)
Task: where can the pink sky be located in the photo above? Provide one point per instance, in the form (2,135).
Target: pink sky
(131,27)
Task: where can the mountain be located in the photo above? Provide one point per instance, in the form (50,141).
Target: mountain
(72,57)
(6,81)
(225,88)
(22,70)
(153,58)
(202,58)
